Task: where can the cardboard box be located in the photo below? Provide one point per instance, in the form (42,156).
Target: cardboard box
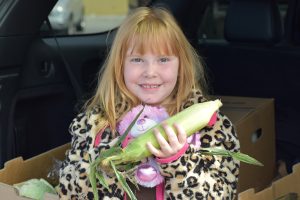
(18,170)
(254,121)
(288,187)
(255,126)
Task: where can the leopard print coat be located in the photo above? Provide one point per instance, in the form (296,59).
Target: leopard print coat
(192,176)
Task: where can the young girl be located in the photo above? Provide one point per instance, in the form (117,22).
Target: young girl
(151,63)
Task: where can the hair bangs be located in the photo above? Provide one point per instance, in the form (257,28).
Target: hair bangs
(153,37)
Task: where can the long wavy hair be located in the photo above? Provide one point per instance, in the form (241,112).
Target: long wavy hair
(147,29)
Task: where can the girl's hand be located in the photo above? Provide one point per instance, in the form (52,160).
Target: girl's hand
(171,146)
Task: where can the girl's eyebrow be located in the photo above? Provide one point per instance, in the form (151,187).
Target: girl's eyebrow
(166,55)
(134,54)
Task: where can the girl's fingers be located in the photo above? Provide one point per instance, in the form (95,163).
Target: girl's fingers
(170,146)
(177,139)
(156,152)
(163,143)
(181,135)
(172,137)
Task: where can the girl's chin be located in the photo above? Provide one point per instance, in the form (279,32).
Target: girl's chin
(152,102)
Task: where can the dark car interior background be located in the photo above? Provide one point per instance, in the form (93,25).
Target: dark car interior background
(44,78)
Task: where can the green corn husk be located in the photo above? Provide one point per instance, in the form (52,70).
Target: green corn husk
(119,161)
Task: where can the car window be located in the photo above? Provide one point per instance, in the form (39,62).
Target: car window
(212,25)
(69,17)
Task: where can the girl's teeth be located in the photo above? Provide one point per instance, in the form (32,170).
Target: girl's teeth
(150,86)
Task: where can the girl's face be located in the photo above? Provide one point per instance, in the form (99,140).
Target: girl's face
(150,77)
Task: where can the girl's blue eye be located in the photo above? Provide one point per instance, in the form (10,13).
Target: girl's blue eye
(137,60)
(164,59)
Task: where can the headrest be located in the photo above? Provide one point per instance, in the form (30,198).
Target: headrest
(255,21)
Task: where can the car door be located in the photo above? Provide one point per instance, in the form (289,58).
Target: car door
(44,78)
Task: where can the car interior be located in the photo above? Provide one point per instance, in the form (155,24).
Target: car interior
(260,57)
(46,78)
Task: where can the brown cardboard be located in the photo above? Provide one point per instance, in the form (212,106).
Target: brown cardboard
(18,170)
(247,114)
(289,185)
(255,126)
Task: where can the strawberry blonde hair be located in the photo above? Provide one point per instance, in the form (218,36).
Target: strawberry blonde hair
(153,29)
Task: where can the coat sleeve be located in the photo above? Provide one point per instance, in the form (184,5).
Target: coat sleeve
(194,175)
(73,175)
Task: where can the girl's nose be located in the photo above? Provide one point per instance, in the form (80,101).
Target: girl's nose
(150,70)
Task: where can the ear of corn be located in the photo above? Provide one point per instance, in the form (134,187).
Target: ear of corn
(191,119)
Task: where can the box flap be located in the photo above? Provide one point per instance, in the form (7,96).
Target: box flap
(286,185)
(18,170)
